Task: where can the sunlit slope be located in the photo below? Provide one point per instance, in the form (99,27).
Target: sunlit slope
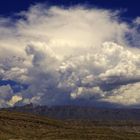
(19,126)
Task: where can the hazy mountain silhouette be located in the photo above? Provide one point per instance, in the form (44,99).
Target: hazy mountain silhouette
(80,112)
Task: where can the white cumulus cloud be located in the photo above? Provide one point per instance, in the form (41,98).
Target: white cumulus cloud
(69,55)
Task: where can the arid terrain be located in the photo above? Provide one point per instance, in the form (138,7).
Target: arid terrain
(24,126)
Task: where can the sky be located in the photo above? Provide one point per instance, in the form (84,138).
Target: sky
(131,7)
(61,52)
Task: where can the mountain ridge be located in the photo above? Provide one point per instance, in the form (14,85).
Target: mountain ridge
(79,112)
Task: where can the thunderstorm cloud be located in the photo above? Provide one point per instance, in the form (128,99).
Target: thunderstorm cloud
(76,55)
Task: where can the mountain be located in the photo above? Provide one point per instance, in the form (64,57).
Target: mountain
(24,126)
(80,112)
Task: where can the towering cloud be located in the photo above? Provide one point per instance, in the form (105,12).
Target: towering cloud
(69,56)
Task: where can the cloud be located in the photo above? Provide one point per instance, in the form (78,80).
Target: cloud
(14,100)
(126,95)
(8,97)
(65,56)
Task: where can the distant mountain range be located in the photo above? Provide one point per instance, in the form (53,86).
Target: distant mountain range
(80,112)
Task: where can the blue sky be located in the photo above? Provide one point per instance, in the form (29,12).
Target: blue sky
(131,6)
